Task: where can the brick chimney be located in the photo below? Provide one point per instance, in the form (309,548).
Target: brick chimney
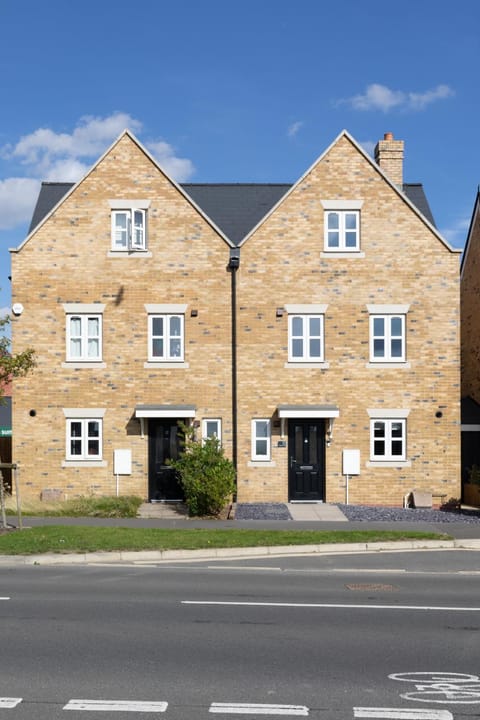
(389,157)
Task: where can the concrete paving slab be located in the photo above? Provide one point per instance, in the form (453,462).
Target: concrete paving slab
(316,511)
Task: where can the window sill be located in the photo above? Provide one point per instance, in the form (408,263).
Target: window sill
(342,254)
(261,463)
(160,365)
(84,463)
(311,365)
(388,463)
(386,365)
(75,365)
(129,253)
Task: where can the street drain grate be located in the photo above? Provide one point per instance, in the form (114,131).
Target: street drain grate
(371,587)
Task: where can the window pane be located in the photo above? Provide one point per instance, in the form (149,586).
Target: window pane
(397,447)
(157,326)
(378,327)
(76,429)
(396,326)
(261,447)
(121,230)
(297,348)
(315,326)
(75,447)
(175,326)
(93,428)
(157,347)
(396,348)
(378,348)
(261,428)
(351,239)
(333,221)
(314,348)
(175,347)
(333,239)
(297,326)
(93,327)
(75,327)
(211,428)
(379,448)
(350,221)
(93,348)
(397,429)
(75,348)
(379,429)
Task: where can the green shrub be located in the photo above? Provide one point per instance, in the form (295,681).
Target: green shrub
(206,475)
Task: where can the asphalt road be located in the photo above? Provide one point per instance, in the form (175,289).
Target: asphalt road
(315,637)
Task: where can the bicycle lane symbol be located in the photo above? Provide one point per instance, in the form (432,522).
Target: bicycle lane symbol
(441,687)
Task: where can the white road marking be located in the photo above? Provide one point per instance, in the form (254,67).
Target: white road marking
(118,705)
(401,713)
(4,598)
(258,709)
(9,702)
(332,605)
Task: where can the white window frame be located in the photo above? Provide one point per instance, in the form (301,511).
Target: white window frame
(217,433)
(305,337)
(387,338)
(84,337)
(388,439)
(167,356)
(84,455)
(262,457)
(135,232)
(342,230)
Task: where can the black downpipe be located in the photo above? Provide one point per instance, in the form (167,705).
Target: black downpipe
(233,266)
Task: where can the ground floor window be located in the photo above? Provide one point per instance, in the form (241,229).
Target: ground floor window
(261,440)
(388,439)
(212,427)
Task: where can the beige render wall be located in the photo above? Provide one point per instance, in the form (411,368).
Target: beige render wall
(66,261)
(470,312)
(404,263)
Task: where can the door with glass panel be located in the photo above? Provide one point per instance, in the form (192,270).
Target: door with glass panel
(163,446)
(306,451)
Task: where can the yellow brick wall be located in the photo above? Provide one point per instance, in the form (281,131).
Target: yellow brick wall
(404,263)
(66,261)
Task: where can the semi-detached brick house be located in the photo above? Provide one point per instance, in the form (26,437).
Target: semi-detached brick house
(295,322)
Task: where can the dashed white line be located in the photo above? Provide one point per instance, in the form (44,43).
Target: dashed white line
(116,705)
(4,598)
(258,709)
(9,703)
(401,713)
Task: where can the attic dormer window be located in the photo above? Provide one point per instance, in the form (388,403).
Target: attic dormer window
(129,225)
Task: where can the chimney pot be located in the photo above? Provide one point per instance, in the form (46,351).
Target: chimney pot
(388,136)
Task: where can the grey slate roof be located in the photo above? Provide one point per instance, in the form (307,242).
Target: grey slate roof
(235,208)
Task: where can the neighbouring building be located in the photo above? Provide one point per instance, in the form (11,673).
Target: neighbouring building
(314,328)
(470,313)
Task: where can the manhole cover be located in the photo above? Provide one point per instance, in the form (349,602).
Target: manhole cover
(371,587)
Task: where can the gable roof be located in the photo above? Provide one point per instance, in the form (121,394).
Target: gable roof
(236,209)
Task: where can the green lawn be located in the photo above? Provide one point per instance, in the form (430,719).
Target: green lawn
(79,538)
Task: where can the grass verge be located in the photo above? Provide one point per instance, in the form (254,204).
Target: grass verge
(83,538)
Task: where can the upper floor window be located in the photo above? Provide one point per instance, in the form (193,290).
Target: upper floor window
(342,230)
(165,338)
(387,333)
(387,338)
(84,332)
(129,229)
(261,439)
(305,341)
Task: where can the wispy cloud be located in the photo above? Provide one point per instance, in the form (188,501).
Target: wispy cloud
(456,234)
(294,128)
(47,155)
(383,98)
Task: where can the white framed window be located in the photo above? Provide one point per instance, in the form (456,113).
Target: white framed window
(129,229)
(342,230)
(305,338)
(212,427)
(261,439)
(387,338)
(388,439)
(84,337)
(166,338)
(84,439)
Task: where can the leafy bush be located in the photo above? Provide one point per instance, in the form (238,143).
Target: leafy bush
(206,475)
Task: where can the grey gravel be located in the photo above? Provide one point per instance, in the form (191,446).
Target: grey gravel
(365,513)
(262,511)
(361,513)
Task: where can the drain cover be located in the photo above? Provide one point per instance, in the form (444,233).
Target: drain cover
(371,587)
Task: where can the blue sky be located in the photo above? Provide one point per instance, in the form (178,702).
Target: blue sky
(228,91)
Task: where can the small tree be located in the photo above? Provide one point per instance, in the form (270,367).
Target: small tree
(206,475)
(12,366)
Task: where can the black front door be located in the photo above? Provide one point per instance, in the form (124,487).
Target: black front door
(306,451)
(163,445)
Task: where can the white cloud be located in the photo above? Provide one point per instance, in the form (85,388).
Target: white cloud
(180,169)
(380,97)
(294,128)
(65,157)
(17,200)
